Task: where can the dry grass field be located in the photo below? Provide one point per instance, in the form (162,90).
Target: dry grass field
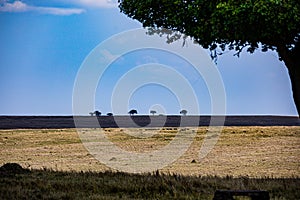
(240,151)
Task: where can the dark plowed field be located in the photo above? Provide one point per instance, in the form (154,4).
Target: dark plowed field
(37,122)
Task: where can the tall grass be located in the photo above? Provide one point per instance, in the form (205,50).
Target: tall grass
(50,184)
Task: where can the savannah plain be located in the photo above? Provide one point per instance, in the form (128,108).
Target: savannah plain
(244,158)
(253,151)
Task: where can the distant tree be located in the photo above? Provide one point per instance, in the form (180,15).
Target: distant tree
(97,113)
(132,112)
(109,114)
(152,112)
(183,112)
(92,113)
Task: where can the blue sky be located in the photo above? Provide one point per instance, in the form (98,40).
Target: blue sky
(44,43)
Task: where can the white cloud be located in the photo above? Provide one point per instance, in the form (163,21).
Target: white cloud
(59,11)
(98,3)
(18,6)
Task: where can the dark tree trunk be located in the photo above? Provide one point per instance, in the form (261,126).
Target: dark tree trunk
(295,82)
(292,62)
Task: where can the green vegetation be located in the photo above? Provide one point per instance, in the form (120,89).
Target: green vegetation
(49,184)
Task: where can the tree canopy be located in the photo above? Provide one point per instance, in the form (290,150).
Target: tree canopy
(221,25)
(183,112)
(97,113)
(152,112)
(132,112)
(234,24)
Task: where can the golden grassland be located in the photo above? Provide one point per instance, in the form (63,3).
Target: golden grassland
(240,151)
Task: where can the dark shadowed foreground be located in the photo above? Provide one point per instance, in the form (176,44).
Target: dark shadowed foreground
(49,184)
